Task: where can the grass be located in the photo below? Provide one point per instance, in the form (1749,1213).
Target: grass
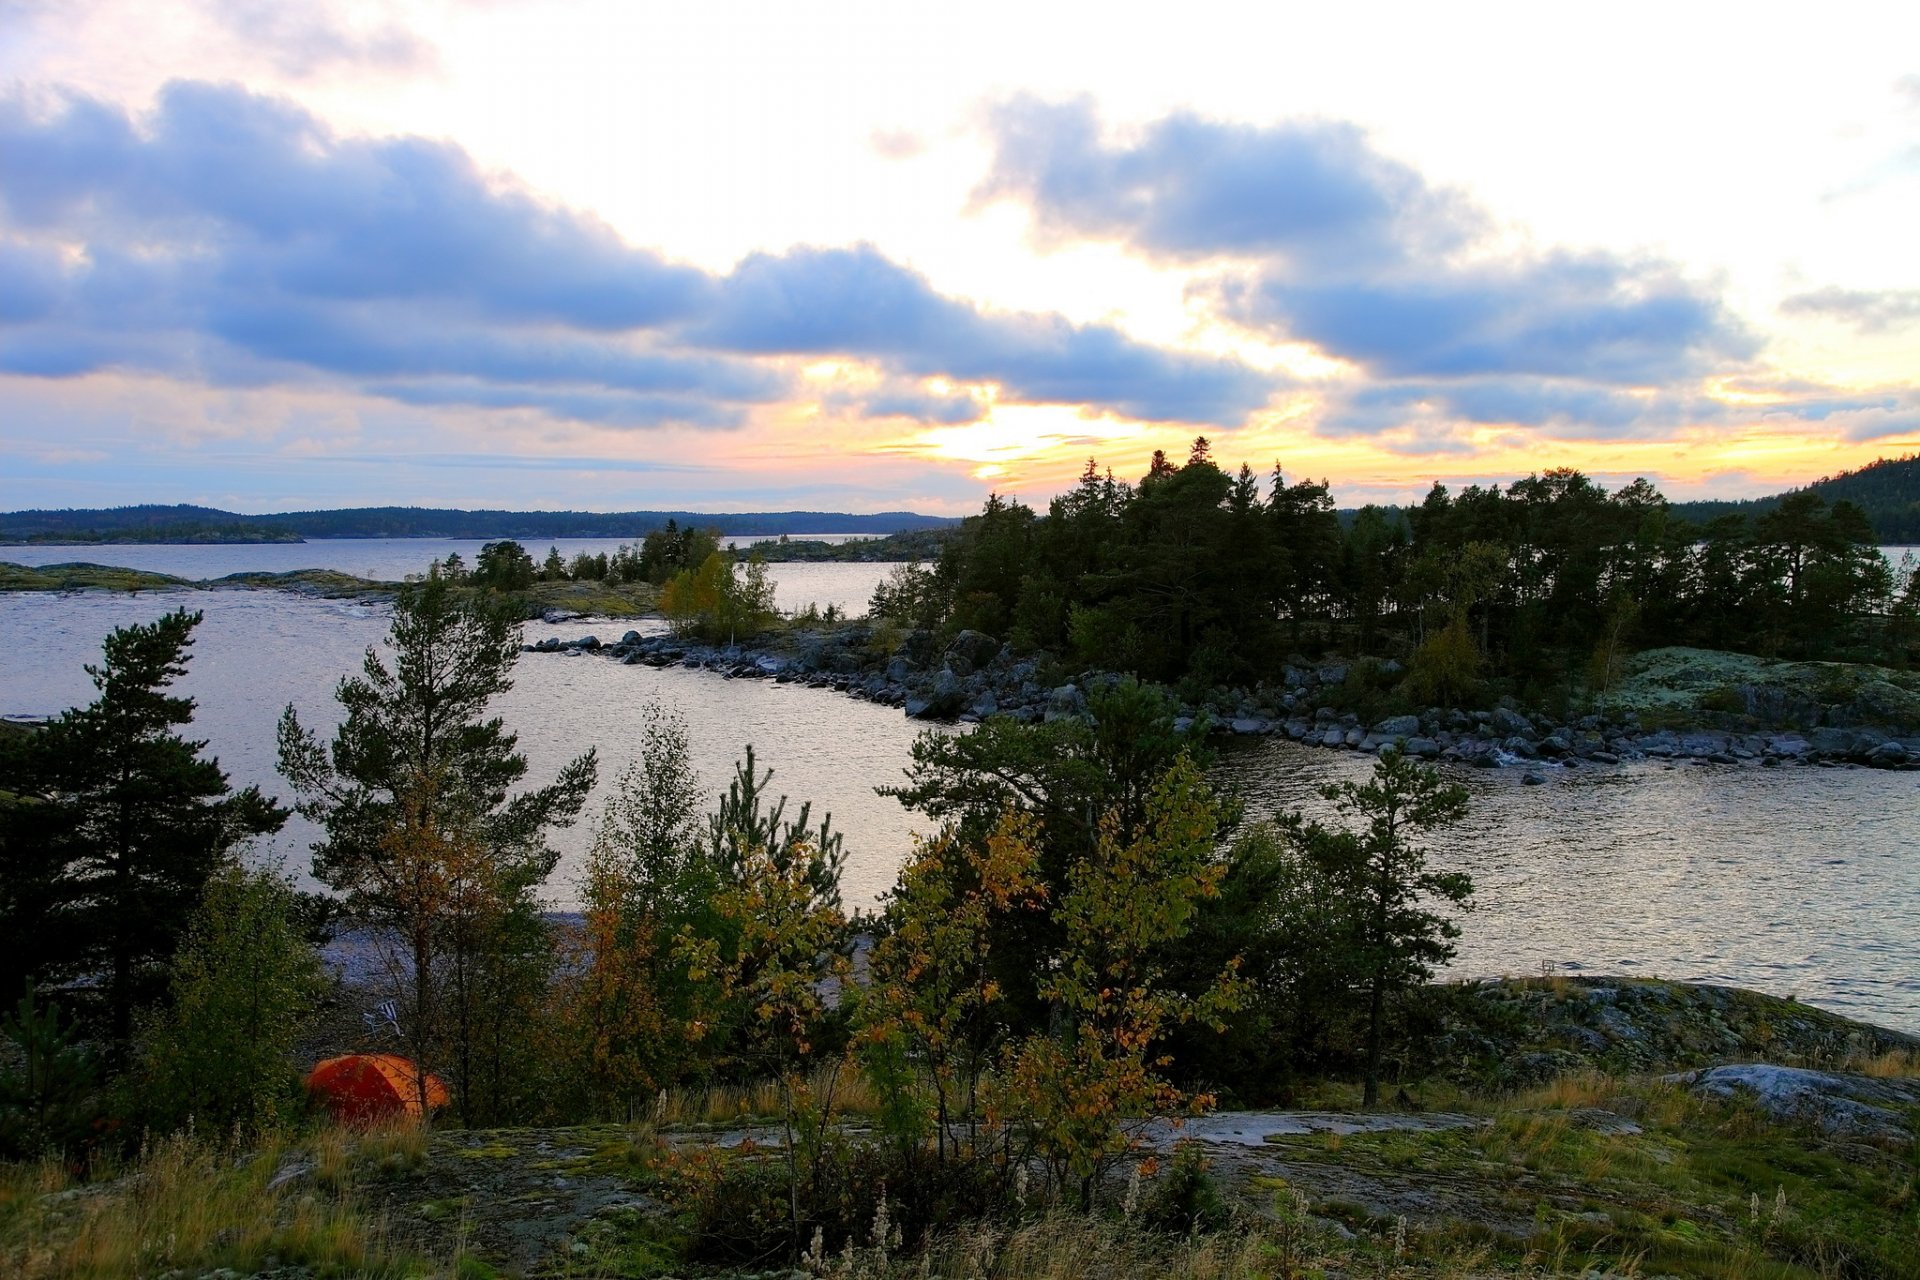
(1706,1188)
(187,1204)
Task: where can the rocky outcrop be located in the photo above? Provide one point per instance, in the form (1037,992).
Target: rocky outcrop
(1840,1103)
(972,677)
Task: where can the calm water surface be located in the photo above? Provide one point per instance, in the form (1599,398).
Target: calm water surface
(391,559)
(1803,881)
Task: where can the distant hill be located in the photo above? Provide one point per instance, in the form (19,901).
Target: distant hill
(1887,490)
(208,524)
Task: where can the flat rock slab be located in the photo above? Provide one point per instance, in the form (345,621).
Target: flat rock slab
(1862,1105)
(1256,1128)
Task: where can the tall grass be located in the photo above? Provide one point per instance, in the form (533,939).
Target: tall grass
(186,1203)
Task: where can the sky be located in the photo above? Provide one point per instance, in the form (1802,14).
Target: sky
(608,255)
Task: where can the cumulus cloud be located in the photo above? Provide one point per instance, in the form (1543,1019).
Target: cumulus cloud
(1867,310)
(235,238)
(1317,237)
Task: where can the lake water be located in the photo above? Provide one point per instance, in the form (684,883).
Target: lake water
(391,559)
(1793,881)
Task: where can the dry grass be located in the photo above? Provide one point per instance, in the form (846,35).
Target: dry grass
(191,1204)
(726,1104)
(1077,1247)
(1894,1064)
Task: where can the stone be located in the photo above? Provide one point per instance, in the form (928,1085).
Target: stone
(1533,779)
(1425,748)
(1249,725)
(1849,1104)
(971,649)
(1398,727)
(1507,721)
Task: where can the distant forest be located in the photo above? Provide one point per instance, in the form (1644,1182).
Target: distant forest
(208,524)
(1887,492)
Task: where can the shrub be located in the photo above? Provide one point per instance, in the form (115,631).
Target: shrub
(220,1054)
(49,1096)
(1186,1199)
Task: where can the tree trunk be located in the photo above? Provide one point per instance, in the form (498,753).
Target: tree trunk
(1375,1003)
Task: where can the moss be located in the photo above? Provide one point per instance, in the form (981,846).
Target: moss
(87,577)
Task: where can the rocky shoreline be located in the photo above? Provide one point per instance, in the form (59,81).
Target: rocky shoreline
(974,676)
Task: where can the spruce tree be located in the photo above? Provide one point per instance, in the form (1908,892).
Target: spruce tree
(112,826)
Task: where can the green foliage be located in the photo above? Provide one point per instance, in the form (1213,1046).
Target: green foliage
(715,603)
(746,824)
(1083,1087)
(1194,577)
(622,1008)
(49,1091)
(116,824)
(1445,669)
(220,1054)
(503,566)
(1186,1199)
(1384,938)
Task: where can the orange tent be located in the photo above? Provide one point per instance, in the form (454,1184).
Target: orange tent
(373,1086)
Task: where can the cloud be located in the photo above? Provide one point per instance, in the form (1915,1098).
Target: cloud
(856,301)
(306,37)
(1193,189)
(234,238)
(1317,237)
(903,399)
(1868,311)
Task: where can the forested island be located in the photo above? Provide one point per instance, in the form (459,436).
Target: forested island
(1550,621)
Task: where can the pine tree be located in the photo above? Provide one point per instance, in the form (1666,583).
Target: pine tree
(422,838)
(1378,882)
(115,823)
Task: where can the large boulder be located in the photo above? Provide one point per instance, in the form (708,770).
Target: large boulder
(1398,727)
(1508,722)
(969,651)
(1067,700)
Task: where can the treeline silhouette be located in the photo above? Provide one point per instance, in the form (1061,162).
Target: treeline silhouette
(161,523)
(1211,577)
(1887,492)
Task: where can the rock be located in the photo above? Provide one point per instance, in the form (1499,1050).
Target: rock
(1603,757)
(1249,725)
(1887,755)
(1334,738)
(1533,779)
(1067,700)
(1859,1105)
(971,650)
(1425,748)
(1333,673)
(986,705)
(1507,721)
(1398,727)
(631,637)
(587,642)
